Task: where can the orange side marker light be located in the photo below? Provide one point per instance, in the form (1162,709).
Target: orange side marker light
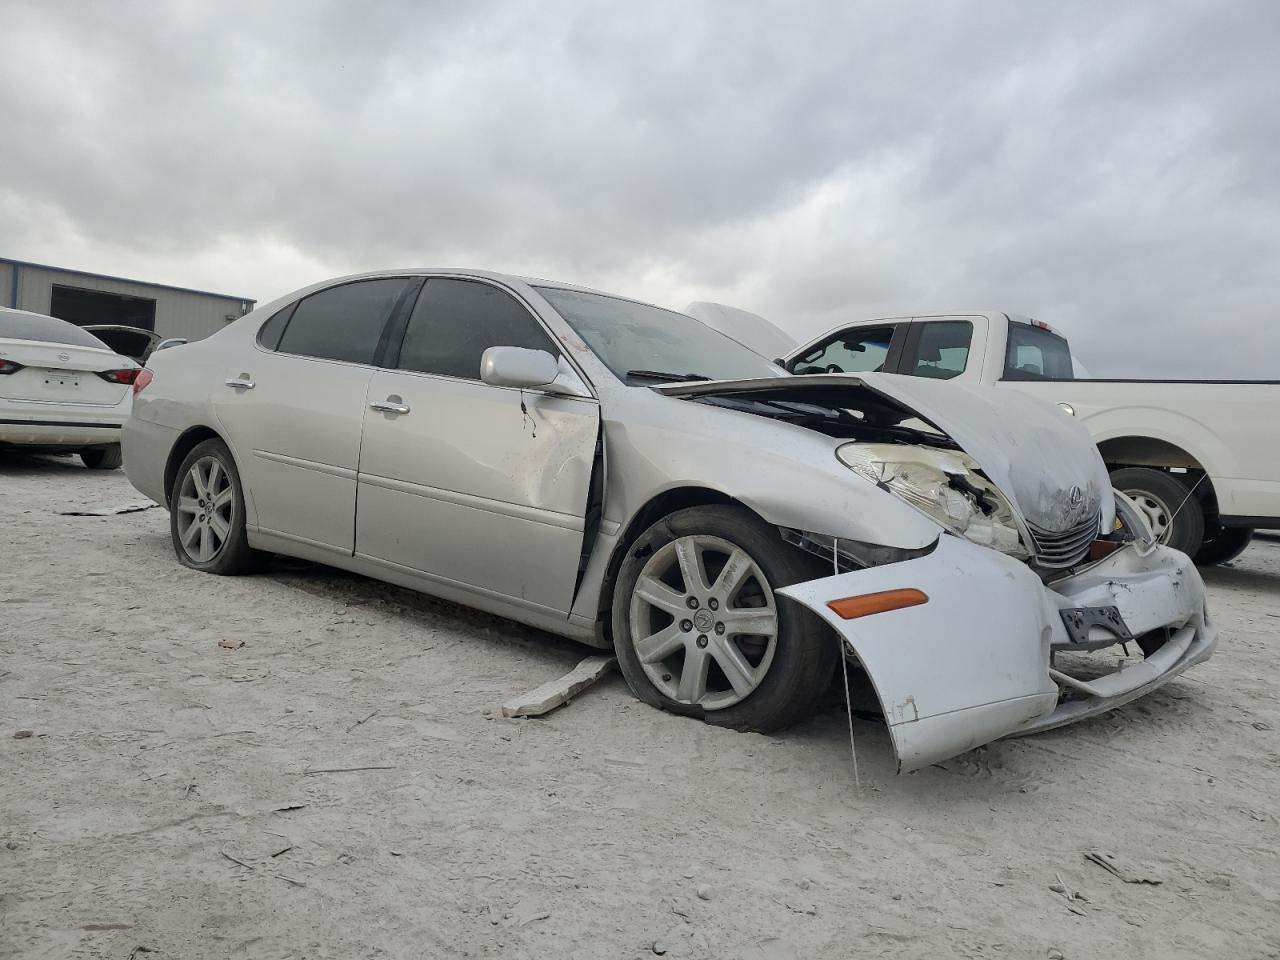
(850,608)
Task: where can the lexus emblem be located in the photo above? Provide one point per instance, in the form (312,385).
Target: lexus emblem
(64,357)
(1076,496)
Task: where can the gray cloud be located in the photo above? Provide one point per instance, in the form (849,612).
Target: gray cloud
(1108,169)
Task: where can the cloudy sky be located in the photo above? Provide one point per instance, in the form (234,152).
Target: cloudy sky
(1113,169)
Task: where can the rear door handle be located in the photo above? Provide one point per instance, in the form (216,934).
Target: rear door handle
(240,381)
(390,405)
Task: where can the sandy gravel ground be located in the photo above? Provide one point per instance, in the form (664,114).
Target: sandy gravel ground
(172,800)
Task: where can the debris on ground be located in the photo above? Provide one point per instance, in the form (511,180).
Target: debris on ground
(556,693)
(1128,872)
(110,511)
(23,734)
(227,643)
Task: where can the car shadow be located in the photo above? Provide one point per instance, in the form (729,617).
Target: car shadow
(15,462)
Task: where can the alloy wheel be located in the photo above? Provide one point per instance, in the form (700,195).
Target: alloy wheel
(205,502)
(704,622)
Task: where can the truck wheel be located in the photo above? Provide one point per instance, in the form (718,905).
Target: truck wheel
(699,630)
(1222,544)
(1175,516)
(102,458)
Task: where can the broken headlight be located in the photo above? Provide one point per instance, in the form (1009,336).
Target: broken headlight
(945,485)
(845,555)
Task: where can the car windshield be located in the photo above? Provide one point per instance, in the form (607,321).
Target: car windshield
(642,344)
(1036,354)
(21,325)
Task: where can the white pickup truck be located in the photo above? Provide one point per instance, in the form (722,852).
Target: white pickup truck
(1200,457)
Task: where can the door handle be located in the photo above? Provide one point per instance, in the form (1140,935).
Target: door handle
(390,405)
(241,381)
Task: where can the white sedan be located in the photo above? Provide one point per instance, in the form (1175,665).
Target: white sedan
(62,389)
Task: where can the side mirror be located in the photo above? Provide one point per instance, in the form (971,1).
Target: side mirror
(169,342)
(518,367)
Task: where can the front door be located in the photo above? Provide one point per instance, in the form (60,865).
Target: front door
(467,483)
(295,406)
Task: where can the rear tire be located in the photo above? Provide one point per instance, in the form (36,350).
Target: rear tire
(763,680)
(102,458)
(1175,515)
(1223,544)
(206,513)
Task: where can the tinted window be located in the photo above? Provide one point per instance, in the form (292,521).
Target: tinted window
(456,321)
(942,350)
(860,350)
(1034,353)
(21,325)
(629,336)
(269,334)
(342,323)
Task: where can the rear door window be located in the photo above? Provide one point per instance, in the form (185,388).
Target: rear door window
(939,349)
(455,321)
(860,350)
(342,323)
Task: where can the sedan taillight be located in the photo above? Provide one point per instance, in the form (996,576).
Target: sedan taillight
(141,380)
(9,366)
(120,376)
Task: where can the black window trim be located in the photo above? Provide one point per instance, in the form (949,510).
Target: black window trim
(394,330)
(911,346)
(414,285)
(397,338)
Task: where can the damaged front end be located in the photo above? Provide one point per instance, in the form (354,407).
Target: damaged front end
(1043,600)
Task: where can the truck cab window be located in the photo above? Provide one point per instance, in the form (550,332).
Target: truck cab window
(1034,353)
(941,350)
(861,350)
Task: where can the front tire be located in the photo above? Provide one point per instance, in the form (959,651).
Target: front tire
(206,513)
(102,458)
(1223,544)
(1175,515)
(699,631)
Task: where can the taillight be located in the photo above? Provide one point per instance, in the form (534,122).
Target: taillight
(143,377)
(119,376)
(9,366)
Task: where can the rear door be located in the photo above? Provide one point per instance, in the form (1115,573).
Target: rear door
(944,348)
(467,483)
(293,407)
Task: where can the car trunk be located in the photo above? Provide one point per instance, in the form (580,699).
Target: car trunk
(60,373)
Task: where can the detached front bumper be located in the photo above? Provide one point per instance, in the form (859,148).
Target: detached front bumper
(982,659)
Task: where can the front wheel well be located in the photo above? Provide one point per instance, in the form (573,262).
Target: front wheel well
(1121,452)
(663,504)
(181,447)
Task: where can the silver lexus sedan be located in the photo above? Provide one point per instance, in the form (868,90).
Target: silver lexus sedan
(626,476)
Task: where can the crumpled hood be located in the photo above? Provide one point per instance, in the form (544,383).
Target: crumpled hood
(1040,457)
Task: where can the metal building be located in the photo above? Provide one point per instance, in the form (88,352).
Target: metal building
(92,298)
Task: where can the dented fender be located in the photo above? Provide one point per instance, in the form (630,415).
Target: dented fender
(963,669)
(973,663)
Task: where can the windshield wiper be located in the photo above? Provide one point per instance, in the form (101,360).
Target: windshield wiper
(664,376)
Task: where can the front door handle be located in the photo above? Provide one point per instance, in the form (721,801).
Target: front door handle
(244,380)
(390,405)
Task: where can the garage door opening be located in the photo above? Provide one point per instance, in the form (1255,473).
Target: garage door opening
(85,307)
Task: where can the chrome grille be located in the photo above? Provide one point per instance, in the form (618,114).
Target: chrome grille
(1066,549)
